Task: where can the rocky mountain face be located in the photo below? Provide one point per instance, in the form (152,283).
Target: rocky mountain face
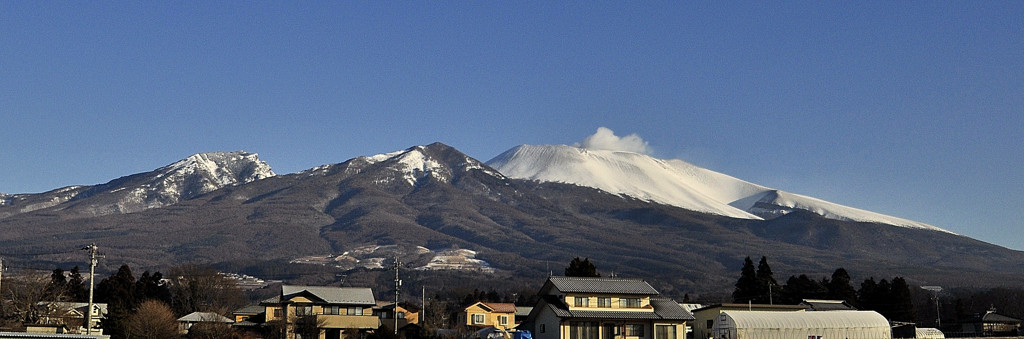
(433,204)
(186,179)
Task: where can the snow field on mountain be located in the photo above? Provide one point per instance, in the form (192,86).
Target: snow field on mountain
(672,182)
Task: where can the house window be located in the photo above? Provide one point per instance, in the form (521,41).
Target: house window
(629,302)
(401,315)
(665,332)
(583,330)
(303,310)
(354,311)
(711,323)
(582,302)
(278,313)
(478,318)
(503,320)
(543,328)
(604,302)
(634,330)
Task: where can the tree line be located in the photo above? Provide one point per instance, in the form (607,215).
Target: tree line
(890,298)
(143,307)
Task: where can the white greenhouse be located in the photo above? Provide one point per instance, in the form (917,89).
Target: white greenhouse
(812,325)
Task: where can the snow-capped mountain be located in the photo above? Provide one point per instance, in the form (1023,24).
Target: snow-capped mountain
(412,165)
(185,179)
(438,198)
(671,182)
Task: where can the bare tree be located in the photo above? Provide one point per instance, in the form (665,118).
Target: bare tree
(154,319)
(25,294)
(197,288)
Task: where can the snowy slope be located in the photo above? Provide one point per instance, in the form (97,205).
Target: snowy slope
(671,182)
(185,179)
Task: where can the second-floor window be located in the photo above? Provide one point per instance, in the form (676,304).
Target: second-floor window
(629,302)
(478,318)
(604,302)
(502,320)
(303,310)
(278,313)
(354,311)
(582,302)
(333,310)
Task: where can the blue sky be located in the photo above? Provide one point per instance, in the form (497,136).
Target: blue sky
(913,109)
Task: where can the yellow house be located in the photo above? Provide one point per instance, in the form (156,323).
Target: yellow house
(604,308)
(498,315)
(387,313)
(304,312)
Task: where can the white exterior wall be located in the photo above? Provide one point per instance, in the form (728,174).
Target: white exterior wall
(551,323)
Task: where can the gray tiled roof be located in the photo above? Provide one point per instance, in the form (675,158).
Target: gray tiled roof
(333,295)
(669,309)
(205,317)
(664,309)
(602,285)
(993,317)
(252,309)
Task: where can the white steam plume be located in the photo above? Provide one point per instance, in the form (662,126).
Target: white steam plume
(605,139)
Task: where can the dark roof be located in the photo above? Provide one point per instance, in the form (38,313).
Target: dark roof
(746,306)
(332,295)
(670,309)
(664,309)
(827,305)
(602,285)
(993,317)
(501,307)
(254,309)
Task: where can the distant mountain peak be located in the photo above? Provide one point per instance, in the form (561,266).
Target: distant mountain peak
(438,161)
(671,182)
(220,168)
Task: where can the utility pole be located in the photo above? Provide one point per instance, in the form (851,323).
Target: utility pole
(398,284)
(1,279)
(935,294)
(92,274)
(423,311)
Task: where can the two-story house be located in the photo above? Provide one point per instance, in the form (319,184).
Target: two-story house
(72,315)
(305,312)
(604,308)
(482,315)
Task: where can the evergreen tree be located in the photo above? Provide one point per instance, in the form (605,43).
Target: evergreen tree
(56,290)
(902,308)
(882,298)
(77,290)
(839,287)
(799,288)
(581,268)
(152,287)
(118,291)
(767,288)
(746,286)
(866,296)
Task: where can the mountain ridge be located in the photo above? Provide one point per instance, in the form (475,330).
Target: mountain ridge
(438,198)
